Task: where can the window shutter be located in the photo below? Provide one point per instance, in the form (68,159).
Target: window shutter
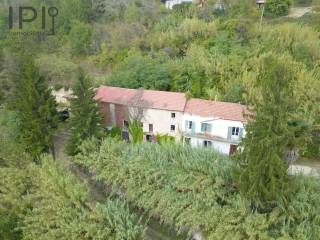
(241,133)
(193,127)
(203,127)
(187,125)
(209,128)
(229,132)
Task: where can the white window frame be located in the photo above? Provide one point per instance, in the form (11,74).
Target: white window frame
(235,131)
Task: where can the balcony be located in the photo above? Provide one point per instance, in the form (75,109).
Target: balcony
(210,136)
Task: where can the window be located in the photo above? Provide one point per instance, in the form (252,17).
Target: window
(207,143)
(150,128)
(235,131)
(173,115)
(189,125)
(206,127)
(173,128)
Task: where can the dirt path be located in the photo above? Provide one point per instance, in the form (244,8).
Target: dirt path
(99,192)
(314,165)
(298,12)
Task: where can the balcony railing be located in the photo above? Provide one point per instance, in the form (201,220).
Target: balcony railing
(210,136)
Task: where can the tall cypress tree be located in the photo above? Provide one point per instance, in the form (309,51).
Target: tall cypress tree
(85,116)
(263,177)
(35,108)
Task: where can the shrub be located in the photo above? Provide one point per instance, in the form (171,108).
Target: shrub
(278,8)
(165,139)
(115,132)
(61,209)
(194,188)
(136,132)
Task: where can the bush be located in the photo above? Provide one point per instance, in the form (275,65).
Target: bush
(136,132)
(115,132)
(44,202)
(278,8)
(313,148)
(8,224)
(165,139)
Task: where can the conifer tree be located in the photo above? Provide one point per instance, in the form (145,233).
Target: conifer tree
(85,116)
(263,178)
(35,108)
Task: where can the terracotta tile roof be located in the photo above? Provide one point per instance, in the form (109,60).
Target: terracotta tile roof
(223,110)
(171,101)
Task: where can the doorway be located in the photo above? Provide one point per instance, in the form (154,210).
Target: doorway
(233,149)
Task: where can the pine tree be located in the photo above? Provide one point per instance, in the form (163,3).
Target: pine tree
(85,116)
(263,178)
(35,108)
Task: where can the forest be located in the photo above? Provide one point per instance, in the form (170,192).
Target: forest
(225,50)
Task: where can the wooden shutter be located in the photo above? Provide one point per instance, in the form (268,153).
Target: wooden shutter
(203,127)
(241,133)
(193,128)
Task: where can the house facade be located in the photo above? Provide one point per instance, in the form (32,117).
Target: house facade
(170,3)
(212,124)
(217,125)
(163,122)
(158,112)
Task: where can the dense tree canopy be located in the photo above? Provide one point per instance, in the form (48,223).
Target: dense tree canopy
(43,201)
(226,50)
(140,71)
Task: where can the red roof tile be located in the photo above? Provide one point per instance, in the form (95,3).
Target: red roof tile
(223,110)
(171,101)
